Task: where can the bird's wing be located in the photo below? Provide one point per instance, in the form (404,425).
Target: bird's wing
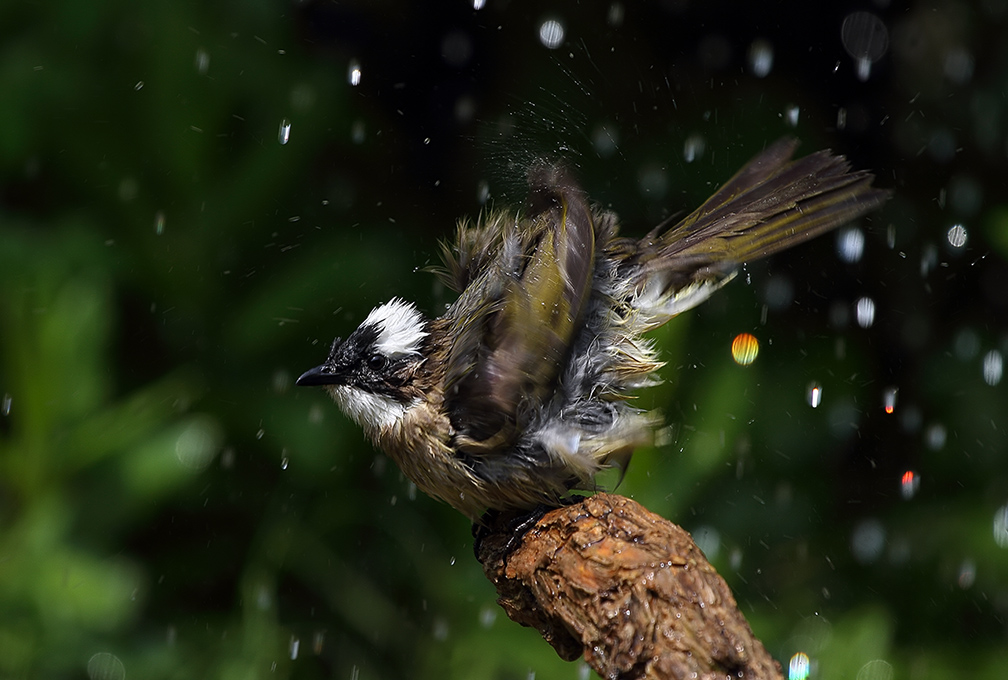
(771,204)
(516,322)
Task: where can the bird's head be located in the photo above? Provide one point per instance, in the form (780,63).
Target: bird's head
(372,374)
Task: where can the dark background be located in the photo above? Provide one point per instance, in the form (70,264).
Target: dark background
(171,507)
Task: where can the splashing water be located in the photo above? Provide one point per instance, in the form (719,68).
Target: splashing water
(283,135)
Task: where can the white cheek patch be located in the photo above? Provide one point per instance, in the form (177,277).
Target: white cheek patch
(400,328)
(373,412)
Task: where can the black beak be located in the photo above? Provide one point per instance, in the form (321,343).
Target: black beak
(320,375)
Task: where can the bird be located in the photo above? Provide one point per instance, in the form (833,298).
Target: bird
(522,391)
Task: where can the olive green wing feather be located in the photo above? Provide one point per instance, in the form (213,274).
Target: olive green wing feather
(771,204)
(517,320)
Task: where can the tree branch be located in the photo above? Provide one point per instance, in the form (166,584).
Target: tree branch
(628,589)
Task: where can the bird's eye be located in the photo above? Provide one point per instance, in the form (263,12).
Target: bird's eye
(377,362)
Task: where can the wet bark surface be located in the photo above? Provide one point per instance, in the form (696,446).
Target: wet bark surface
(629,590)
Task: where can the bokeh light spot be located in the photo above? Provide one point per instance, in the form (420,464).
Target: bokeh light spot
(909,483)
(798,667)
(744,348)
(551,34)
(813,394)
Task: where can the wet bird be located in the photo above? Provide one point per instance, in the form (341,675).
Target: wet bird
(520,392)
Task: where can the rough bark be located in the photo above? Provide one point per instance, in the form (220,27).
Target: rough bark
(626,588)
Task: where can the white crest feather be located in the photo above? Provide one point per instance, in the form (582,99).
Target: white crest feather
(400,328)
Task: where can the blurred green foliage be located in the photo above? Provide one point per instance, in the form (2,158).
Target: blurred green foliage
(171,508)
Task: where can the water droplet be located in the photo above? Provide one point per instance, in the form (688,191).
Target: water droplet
(967,573)
(864,312)
(439,629)
(745,348)
(959,66)
(966,344)
(159,222)
(935,436)
(284,462)
(487,616)
(957,236)
(761,57)
(868,541)
(318,641)
(452,561)
(798,667)
(605,139)
(993,366)
(354,73)
(105,666)
(929,258)
(283,135)
(866,39)
(1001,527)
(791,115)
(877,669)
(909,483)
(5,405)
(841,119)
(483,191)
(813,394)
(708,540)
(198,444)
(127,189)
(652,180)
(260,433)
(357,132)
(735,559)
(139,86)
(693,148)
(889,399)
(295,644)
(551,33)
(202,61)
(779,292)
(862,67)
(850,244)
(615,15)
